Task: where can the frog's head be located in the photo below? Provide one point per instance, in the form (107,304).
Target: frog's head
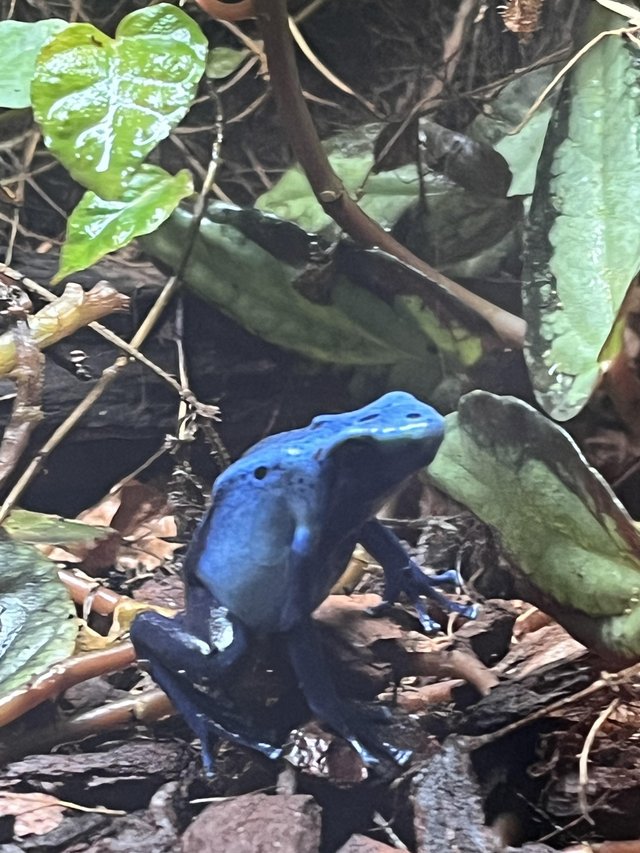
(381,444)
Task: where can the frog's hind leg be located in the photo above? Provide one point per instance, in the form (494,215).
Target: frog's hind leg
(188,670)
(402,574)
(312,670)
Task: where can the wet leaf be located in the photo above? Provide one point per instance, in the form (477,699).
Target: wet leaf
(584,233)
(104,103)
(575,545)
(20,44)
(97,227)
(38,626)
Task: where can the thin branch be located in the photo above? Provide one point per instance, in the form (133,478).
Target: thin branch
(146,708)
(184,392)
(328,188)
(61,676)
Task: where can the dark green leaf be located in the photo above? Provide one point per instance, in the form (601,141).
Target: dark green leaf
(285,286)
(266,295)
(558,520)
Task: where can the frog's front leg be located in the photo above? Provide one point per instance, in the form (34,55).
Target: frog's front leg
(191,670)
(402,574)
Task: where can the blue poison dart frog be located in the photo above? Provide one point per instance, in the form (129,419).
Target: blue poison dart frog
(281,529)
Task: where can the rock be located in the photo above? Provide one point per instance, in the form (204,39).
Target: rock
(256,823)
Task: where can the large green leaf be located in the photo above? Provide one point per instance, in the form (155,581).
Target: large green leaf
(38,626)
(584,234)
(20,44)
(104,103)
(266,293)
(97,227)
(346,306)
(575,547)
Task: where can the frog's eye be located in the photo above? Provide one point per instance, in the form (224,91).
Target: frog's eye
(261,472)
(413,415)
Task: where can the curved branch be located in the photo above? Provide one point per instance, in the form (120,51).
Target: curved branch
(228,11)
(328,188)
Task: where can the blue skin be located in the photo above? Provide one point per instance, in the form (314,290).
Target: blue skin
(284,521)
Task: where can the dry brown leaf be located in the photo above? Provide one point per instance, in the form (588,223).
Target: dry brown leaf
(35,814)
(140,516)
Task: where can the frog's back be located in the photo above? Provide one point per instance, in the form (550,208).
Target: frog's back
(286,515)
(393,414)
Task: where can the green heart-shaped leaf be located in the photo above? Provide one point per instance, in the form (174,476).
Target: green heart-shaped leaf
(104,103)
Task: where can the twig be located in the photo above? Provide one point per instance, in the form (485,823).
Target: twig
(27,411)
(451,54)
(65,314)
(583,775)
(63,675)
(385,826)
(83,589)
(322,69)
(608,681)
(184,392)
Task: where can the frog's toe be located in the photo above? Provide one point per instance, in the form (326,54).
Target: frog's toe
(375,749)
(401,756)
(355,727)
(450,576)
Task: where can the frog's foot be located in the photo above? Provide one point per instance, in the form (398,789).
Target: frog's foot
(311,668)
(403,575)
(417,586)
